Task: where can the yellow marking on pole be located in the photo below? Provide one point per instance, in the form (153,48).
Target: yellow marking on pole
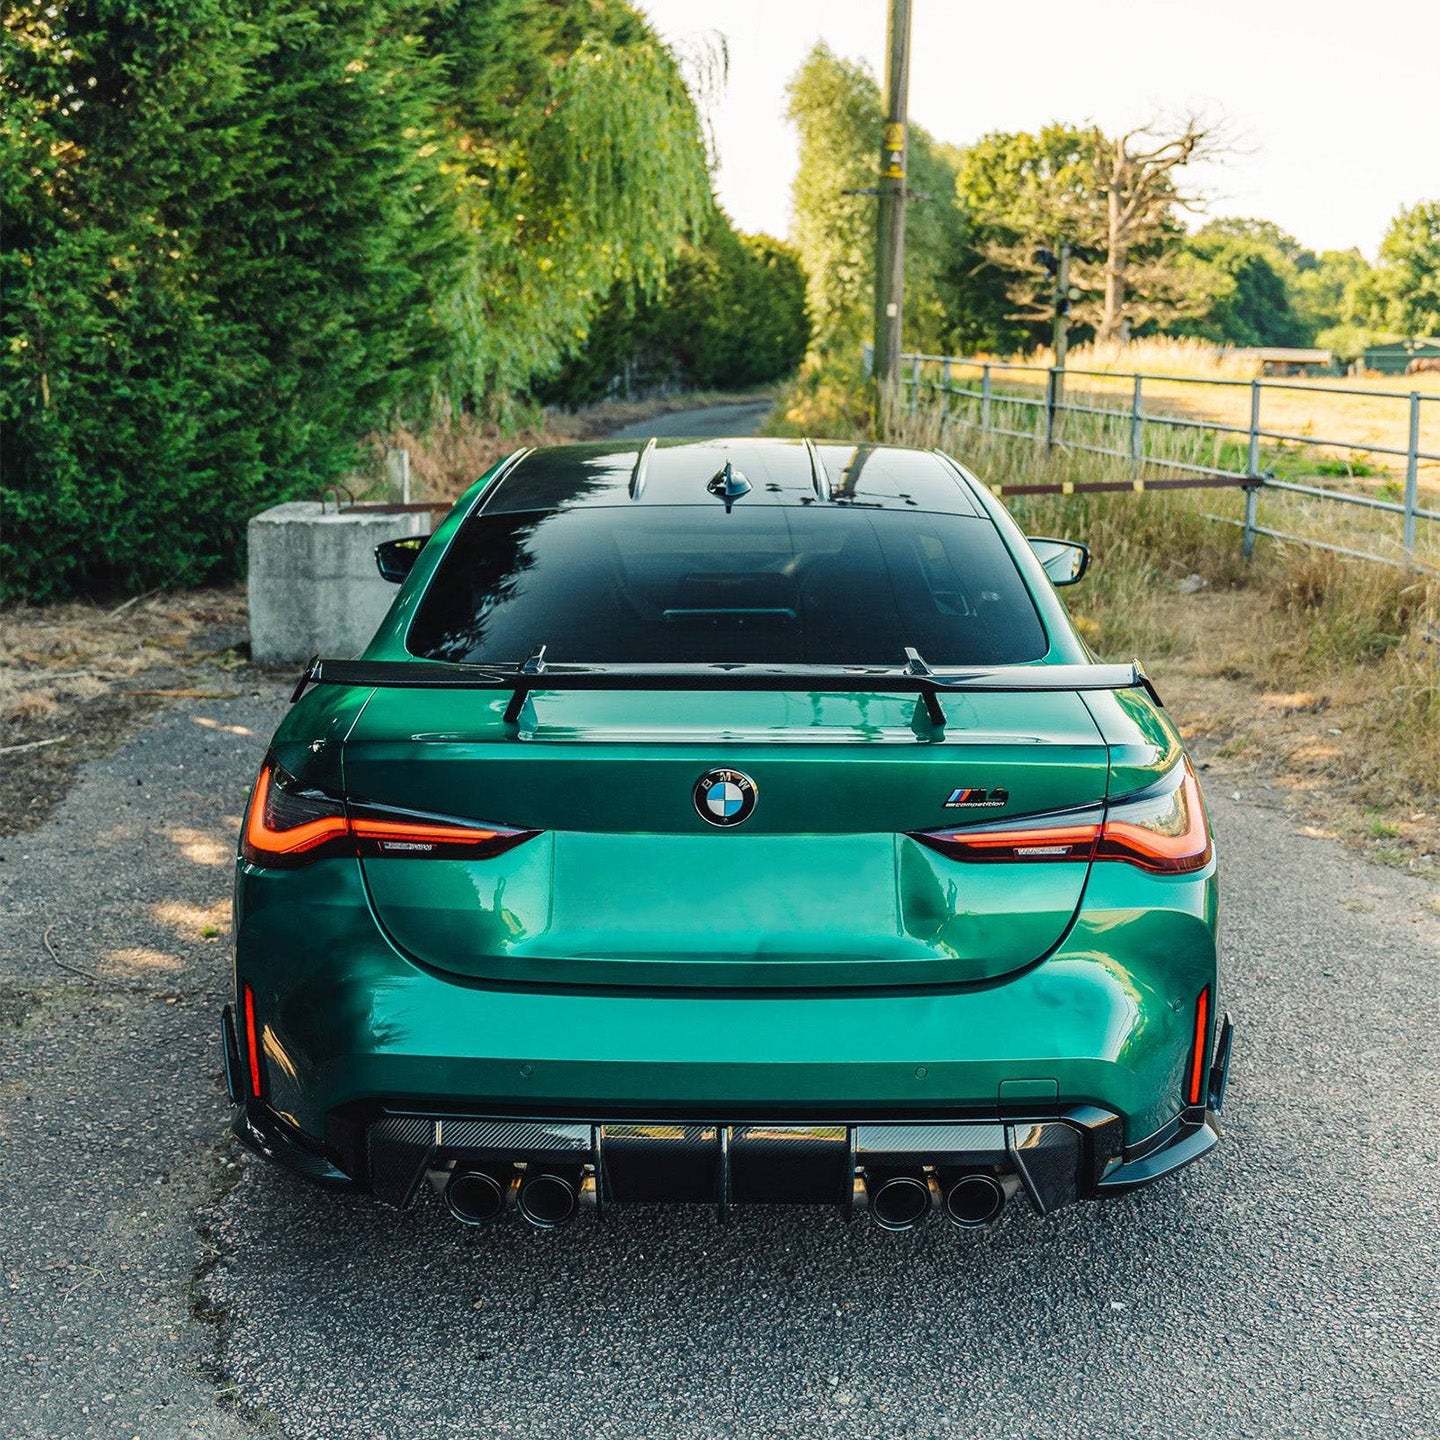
(1067,487)
(1138,486)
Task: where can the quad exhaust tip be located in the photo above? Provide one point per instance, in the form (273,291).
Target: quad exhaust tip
(900,1200)
(897,1199)
(478,1197)
(974,1199)
(549,1198)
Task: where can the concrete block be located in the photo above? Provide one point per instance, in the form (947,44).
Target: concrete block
(313,582)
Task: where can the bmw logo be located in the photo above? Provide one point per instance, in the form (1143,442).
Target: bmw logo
(724,797)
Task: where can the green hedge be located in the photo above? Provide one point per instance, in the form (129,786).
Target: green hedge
(731,314)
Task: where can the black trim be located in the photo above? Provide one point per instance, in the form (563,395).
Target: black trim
(536,674)
(261,1130)
(1188,1145)
(1220,1066)
(230,1046)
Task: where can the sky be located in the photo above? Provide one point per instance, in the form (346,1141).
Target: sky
(1335,106)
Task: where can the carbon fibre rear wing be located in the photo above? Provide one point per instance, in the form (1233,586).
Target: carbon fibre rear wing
(913,678)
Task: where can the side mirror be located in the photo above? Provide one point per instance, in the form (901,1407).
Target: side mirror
(1065,561)
(395,559)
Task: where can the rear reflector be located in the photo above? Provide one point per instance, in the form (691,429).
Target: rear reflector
(252,1042)
(1193,1090)
(289,825)
(1162,829)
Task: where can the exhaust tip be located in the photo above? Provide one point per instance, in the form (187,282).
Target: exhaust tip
(548,1199)
(898,1202)
(476,1197)
(974,1200)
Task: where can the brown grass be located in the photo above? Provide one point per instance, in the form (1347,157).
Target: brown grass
(76,678)
(1373,414)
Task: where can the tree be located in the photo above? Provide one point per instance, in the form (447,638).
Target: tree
(1407,277)
(730,313)
(1138,171)
(1336,301)
(226,249)
(835,105)
(239,237)
(1028,191)
(1247,272)
(581,164)
(1113,199)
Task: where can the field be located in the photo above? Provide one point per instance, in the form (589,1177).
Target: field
(1190,379)
(1201,422)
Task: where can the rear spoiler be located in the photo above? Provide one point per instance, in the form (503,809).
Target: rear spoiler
(913,678)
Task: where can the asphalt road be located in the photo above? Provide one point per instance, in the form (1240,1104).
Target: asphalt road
(159,1284)
(727,420)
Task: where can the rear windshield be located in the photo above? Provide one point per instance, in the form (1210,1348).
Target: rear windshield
(765,585)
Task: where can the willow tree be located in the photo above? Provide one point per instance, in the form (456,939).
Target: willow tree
(579,162)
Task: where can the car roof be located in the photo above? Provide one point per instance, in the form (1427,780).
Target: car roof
(801,473)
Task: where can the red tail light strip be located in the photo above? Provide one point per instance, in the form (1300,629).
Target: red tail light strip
(1154,849)
(1052,842)
(287,827)
(252,1042)
(265,838)
(1202,1034)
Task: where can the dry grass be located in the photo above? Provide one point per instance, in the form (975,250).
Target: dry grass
(1197,382)
(1157,356)
(77,677)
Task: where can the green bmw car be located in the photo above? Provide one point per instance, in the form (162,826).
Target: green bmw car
(728,822)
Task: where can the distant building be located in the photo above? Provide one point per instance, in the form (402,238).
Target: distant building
(1284,360)
(1404,357)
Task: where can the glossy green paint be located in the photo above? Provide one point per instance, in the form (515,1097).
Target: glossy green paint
(631,959)
(346,1017)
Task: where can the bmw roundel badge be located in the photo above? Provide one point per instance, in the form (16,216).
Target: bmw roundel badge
(724,797)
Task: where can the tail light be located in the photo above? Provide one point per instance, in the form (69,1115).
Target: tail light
(289,825)
(1162,829)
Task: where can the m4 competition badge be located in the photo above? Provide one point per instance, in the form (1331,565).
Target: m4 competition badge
(724,797)
(977,799)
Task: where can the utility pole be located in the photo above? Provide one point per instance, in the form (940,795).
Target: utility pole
(890,234)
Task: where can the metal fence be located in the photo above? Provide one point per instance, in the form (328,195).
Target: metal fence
(1034,402)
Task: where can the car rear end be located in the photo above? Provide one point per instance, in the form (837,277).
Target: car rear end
(710,866)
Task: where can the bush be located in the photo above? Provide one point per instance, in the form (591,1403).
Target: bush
(730,314)
(225,247)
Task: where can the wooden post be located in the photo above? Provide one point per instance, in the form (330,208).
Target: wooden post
(890,222)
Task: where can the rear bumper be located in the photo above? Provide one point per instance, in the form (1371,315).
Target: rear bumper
(389,1150)
(346,1024)
(1056,1161)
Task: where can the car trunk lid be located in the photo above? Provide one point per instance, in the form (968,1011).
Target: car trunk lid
(822,885)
